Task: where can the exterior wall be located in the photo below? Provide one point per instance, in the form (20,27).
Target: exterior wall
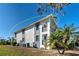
(53,25)
(29,35)
(37,32)
(46,32)
(19,37)
(31,32)
(40,33)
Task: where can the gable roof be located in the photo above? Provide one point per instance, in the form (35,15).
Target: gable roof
(35,21)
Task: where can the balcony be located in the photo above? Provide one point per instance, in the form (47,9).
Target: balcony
(37,32)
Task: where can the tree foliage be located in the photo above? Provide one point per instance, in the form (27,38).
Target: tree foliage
(2,42)
(8,41)
(55,8)
(61,38)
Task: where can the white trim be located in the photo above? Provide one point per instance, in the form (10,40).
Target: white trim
(34,23)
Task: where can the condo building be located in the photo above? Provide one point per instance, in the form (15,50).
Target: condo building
(35,34)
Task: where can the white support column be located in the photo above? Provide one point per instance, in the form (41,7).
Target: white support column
(40,36)
(48,28)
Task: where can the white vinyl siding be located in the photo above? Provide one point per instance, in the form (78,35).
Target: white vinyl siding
(19,37)
(29,36)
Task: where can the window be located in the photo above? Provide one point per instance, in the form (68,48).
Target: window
(44,27)
(44,37)
(37,38)
(23,40)
(37,26)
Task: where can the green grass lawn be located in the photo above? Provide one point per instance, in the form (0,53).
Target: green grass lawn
(19,51)
(7,50)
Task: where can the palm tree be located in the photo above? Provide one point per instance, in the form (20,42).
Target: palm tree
(61,38)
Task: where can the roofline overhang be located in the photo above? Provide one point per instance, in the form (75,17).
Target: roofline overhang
(35,23)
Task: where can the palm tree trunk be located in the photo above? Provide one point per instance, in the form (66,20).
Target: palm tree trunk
(61,52)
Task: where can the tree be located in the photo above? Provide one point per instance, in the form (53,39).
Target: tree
(7,42)
(2,41)
(77,40)
(55,8)
(12,41)
(61,38)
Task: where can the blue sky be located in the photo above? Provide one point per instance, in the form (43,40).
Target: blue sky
(12,14)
